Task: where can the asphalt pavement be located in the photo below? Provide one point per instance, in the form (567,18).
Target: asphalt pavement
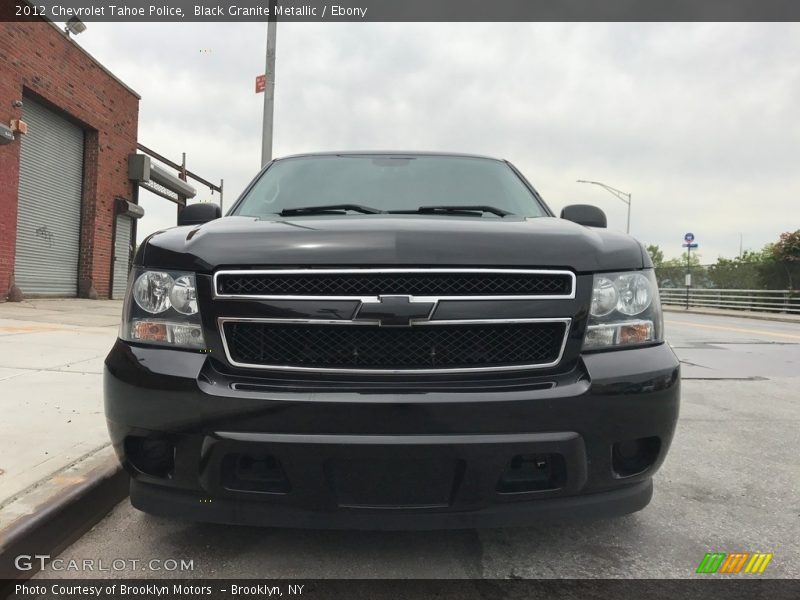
(730,484)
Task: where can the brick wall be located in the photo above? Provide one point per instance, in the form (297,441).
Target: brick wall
(37,60)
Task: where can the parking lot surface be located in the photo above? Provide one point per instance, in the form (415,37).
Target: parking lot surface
(730,484)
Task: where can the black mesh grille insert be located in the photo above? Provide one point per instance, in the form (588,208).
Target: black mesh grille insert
(412,284)
(372,347)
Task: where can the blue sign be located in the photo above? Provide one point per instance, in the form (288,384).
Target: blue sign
(690,246)
(688,238)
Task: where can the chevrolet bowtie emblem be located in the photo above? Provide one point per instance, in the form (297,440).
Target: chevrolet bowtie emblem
(395,311)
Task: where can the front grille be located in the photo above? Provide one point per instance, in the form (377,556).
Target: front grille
(368,347)
(409,283)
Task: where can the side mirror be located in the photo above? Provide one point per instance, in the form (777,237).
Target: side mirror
(197,214)
(584,214)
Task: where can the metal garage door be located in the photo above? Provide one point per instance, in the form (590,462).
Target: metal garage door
(122,255)
(49,213)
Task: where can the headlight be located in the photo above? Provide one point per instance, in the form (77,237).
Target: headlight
(634,292)
(151,291)
(604,296)
(183,295)
(173,297)
(625,310)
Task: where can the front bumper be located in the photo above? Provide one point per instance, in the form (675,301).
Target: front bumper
(389,458)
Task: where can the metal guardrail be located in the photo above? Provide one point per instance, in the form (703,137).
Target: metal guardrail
(757,300)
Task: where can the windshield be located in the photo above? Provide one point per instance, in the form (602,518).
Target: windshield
(389,183)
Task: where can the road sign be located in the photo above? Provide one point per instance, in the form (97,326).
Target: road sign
(692,246)
(688,238)
(261,83)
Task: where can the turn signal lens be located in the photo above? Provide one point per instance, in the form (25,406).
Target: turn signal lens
(598,337)
(618,334)
(187,335)
(164,332)
(636,333)
(149,331)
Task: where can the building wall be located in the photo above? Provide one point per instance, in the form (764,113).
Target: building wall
(38,60)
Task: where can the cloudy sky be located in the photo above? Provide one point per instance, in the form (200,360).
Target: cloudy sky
(700,122)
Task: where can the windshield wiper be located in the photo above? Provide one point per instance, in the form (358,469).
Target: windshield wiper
(309,210)
(431,210)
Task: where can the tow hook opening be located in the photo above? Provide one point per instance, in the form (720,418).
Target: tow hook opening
(254,473)
(532,473)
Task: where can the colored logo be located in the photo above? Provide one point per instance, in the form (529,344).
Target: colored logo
(737,562)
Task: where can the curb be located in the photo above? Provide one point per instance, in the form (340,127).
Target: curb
(62,519)
(744,314)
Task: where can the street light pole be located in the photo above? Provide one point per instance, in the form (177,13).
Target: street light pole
(269,91)
(626,198)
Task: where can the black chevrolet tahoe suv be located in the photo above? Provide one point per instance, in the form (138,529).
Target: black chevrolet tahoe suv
(387,341)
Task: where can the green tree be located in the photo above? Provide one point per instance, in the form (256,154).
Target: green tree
(671,273)
(786,252)
(656,255)
(694,261)
(744,272)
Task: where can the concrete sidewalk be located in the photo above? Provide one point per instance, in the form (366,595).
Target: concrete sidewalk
(52,425)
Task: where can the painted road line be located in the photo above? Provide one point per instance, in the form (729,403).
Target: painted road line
(737,329)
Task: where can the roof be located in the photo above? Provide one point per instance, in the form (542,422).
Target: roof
(388,153)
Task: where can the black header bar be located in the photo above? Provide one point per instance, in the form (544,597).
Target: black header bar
(699,588)
(336,11)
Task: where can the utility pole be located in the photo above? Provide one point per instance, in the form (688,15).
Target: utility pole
(625,197)
(182,175)
(269,91)
(628,226)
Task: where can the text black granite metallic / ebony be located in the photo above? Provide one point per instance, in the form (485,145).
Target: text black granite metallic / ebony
(391,340)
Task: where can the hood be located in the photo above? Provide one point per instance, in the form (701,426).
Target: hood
(392,240)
